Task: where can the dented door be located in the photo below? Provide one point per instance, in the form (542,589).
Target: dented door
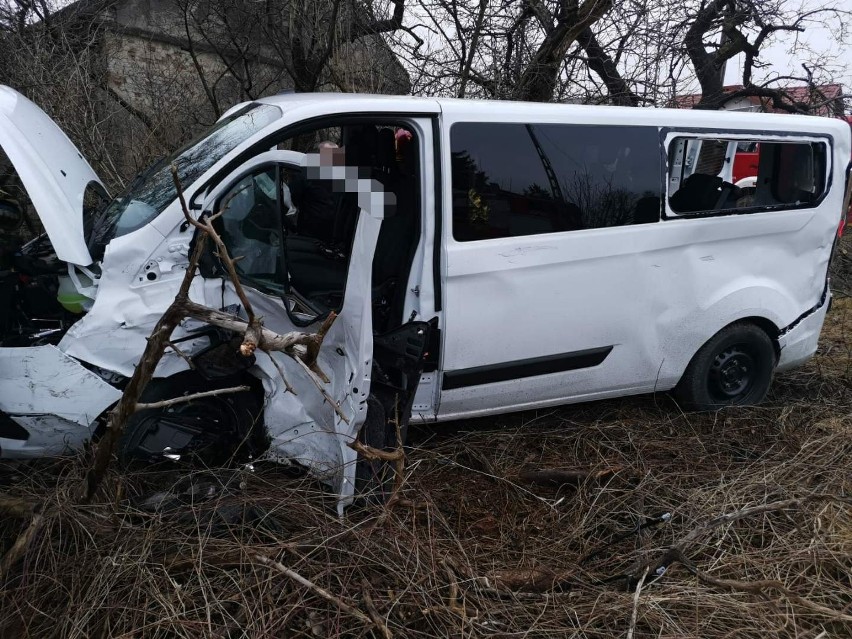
(302,425)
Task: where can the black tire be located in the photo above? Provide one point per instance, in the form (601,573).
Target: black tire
(734,368)
(229,426)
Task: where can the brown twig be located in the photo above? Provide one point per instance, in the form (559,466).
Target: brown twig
(189,398)
(760,587)
(322,592)
(399,465)
(15,506)
(634,615)
(373,611)
(182,355)
(376,454)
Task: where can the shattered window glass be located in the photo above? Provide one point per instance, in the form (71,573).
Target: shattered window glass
(713,175)
(526,179)
(153,190)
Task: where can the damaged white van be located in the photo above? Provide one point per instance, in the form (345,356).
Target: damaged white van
(484,257)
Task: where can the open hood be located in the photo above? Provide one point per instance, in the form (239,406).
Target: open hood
(52,170)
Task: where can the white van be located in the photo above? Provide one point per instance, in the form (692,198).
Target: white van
(484,257)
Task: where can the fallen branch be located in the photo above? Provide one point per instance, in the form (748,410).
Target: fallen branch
(189,398)
(15,506)
(555,477)
(634,615)
(760,587)
(322,592)
(142,375)
(19,548)
(303,347)
(373,611)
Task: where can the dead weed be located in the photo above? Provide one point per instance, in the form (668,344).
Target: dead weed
(474,548)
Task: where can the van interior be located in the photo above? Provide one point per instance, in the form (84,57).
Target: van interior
(295,232)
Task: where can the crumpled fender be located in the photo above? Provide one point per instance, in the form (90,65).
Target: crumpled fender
(53,396)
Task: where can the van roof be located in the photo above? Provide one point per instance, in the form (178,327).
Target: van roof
(494,110)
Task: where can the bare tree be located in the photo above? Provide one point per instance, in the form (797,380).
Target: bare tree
(630,53)
(127,93)
(495,49)
(744,27)
(256,47)
(55,59)
(671,49)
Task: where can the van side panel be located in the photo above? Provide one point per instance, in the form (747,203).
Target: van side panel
(523,313)
(654,294)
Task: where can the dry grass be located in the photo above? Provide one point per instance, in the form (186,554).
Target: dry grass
(451,558)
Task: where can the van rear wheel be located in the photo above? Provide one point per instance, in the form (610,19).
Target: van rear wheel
(734,368)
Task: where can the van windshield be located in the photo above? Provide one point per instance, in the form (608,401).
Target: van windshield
(153,190)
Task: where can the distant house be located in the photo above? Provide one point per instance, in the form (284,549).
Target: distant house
(826,100)
(152,49)
(169,68)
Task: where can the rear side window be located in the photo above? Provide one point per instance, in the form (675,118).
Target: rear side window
(734,175)
(514,179)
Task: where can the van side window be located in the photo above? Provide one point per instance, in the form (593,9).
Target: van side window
(251,228)
(718,175)
(513,179)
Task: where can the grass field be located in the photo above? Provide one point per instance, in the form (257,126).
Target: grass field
(472,549)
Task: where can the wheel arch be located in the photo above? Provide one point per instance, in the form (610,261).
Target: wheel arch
(245,404)
(752,376)
(767,326)
(763,323)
